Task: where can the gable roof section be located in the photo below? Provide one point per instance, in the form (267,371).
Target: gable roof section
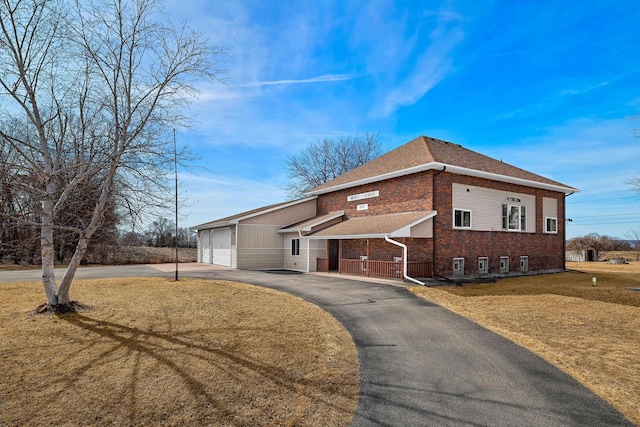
(308,225)
(425,153)
(234,219)
(378,226)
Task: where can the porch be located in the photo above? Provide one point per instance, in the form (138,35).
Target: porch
(375,268)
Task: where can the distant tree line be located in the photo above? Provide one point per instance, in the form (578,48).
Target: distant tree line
(20,243)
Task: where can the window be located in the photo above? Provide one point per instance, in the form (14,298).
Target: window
(295,247)
(483,265)
(458,266)
(524,264)
(461,218)
(504,264)
(514,217)
(551,225)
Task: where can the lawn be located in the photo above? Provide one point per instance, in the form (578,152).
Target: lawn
(157,352)
(590,332)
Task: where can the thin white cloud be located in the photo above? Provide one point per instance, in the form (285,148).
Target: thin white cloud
(430,68)
(319,79)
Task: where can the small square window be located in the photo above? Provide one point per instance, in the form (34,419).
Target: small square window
(551,225)
(504,264)
(483,265)
(458,266)
(461,218)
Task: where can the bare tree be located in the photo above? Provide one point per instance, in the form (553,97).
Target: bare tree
(325,160)
(92,90)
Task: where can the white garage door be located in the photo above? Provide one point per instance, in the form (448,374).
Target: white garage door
(205,243)
(221,246)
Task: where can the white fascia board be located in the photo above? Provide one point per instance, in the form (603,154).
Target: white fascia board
(274,209)
(509,179)
(347,236)
(308,228)
(406,230)
(447,168)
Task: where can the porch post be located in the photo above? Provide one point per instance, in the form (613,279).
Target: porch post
(366,263)
(340,256)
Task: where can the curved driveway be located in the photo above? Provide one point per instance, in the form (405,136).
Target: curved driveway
(421,365)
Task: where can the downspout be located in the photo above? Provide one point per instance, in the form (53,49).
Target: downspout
(404,260)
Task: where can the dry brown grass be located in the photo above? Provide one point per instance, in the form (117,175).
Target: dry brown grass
(153,351)
(592,333)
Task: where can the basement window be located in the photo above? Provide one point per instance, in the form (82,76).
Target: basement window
(458,266)
(504,264)
(524,264)
(483,265)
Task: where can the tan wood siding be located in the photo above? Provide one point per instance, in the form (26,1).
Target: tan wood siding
(317,249)
(260,259)
(424,229)
(550,207)
(286,216)
(254,236)
(485,205)
(295,262)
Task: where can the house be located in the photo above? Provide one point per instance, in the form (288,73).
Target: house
(428,208)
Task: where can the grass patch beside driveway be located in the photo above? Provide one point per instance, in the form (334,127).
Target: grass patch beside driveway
(592,333)
(152,351)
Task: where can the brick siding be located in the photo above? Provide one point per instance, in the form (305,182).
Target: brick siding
(415,192)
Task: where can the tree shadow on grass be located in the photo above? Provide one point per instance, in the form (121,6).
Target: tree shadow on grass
(176,351)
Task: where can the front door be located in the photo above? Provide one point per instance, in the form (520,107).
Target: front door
(333,255)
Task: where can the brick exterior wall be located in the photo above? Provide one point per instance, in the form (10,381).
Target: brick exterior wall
(404,194)
(545,251)
(415,192)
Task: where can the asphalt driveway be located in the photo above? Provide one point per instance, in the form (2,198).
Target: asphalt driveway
(421,365)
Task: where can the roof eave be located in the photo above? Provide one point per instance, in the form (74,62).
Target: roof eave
(449,168)
(213,224)
(274,209)
(348,236)
(309,228)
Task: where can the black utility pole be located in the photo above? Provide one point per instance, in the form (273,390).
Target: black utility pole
(175,166)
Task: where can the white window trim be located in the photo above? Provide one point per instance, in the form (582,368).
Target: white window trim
(295,246)
(521,221)
(461,272)
(463,227)
(485,270)
(506,268)
(526,267)
(546,229)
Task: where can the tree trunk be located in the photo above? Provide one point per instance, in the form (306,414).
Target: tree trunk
(65,285)
(48,256)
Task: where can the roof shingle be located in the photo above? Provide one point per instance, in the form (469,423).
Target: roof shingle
(423,151)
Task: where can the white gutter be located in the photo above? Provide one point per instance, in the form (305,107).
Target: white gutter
(450,168)
(404,260)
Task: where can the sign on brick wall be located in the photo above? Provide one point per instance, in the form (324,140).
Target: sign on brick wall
(361,196)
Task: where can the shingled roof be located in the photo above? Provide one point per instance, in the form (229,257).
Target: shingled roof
(234,219)
(425,153)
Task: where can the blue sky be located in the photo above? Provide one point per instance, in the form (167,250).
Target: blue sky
(547,86)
